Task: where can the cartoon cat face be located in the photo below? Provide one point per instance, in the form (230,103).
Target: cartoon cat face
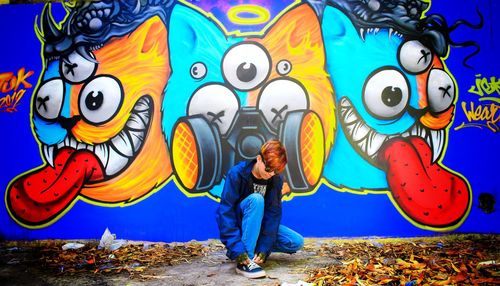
(223,79)
(395,100)
(98,123)
(386,87)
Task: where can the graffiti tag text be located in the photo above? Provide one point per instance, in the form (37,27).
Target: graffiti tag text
(11,83)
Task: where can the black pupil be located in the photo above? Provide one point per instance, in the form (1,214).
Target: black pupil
(285,67)
(195,70)
(391,96)
(246,72)
(94,101)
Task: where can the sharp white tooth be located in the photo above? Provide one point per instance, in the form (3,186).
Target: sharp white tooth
(60,145)
(414,131)
(142,105)
(137,138)
(375,141)
(101,151)
(423,132)
(376,30)
(437,143)
(73,143)
(121,143)
(362,33)
(135,122)
(344,102)
(406,134)
(90,148)
(48,153)
(81,146)
(350,117)
(145,116)
(390,32)
(66,141)
(359,131)
(116,162)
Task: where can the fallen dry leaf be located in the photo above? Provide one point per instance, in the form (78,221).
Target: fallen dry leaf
(463,260)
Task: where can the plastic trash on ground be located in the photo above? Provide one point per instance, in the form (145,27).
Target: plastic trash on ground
(299,283)
(72,245)
(109,241)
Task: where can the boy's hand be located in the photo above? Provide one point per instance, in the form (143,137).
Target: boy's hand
(243,259)
(285,190)
(259,258)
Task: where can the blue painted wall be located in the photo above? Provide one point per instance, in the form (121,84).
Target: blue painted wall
(330,204)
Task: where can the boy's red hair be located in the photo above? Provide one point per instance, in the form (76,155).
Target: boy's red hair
(274,155)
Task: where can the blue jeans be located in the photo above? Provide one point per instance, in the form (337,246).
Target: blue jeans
(252,208)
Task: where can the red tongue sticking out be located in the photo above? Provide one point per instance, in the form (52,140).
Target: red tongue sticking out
(39,196)
(425,191)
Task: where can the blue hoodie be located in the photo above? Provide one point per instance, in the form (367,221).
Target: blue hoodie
(229,216)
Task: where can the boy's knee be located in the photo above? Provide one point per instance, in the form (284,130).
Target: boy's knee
(300,242)
(256,200)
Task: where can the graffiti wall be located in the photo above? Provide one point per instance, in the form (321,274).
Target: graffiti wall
(128,114)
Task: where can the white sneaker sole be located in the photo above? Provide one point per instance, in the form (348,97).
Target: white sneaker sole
(259,274)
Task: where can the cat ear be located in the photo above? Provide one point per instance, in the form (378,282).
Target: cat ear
(297,25)
(336,25)
(191,30)
(151,36)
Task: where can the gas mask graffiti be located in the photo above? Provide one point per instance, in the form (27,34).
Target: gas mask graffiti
(201,154)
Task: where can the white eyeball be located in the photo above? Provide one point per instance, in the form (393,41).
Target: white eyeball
(440,90)
(100,99)
(386,93)
(217,103)
(276,104)
(49,99)
(246,66)
(284,67)
(198,70)
(414,57)
(77,69)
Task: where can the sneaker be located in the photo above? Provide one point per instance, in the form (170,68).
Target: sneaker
(252,270)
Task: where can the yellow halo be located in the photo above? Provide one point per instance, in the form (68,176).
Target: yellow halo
(262,14)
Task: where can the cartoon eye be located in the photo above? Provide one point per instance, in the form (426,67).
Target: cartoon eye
(275,104)
(284,67)
(198,70)
(414,57)
(246,66)
(217,103)
(386,93)
(440,90)
(77,69)
(100,99)
(49,99)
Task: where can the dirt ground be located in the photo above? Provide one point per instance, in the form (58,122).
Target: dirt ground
(20,265)
(212,269)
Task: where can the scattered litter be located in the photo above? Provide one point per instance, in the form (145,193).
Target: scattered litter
(13,261)
(108,241)
(486,263)
(299,283)
(72,245)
